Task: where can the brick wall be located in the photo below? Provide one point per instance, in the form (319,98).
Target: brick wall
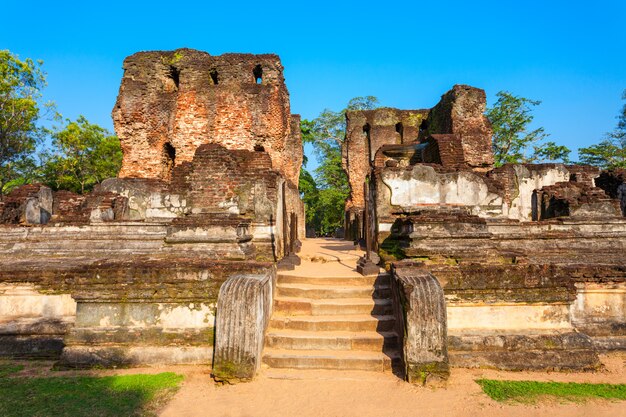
(172,102)
(366,132)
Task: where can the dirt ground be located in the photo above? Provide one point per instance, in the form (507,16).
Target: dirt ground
(279,393)
(331,393)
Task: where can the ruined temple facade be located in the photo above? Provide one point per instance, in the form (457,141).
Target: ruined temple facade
(454,134)
(175,261)
(207,194)
(531,258)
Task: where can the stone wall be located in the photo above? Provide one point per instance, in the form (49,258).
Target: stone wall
(134,298)
(33,323)
(516,289)
(521,192)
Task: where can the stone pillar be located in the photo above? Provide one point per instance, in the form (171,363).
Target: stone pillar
(420,310)
(244,308)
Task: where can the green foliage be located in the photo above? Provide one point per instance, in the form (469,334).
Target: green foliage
(611,152)
(512,141)
(326,194)
(21,82)
(530,391)
(123,395)
(85,154)
(310,196)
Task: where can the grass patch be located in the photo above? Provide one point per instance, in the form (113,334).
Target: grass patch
(121,395)
(531,391)
(7,369)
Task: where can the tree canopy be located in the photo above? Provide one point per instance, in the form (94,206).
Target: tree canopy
(326,192)
(84,155)
(611,152)
(21,83)
(75,156)
(513,141)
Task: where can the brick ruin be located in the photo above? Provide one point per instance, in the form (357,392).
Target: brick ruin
(531,258)
(207,193)
(175,260)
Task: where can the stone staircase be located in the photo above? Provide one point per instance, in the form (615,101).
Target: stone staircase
(327,316)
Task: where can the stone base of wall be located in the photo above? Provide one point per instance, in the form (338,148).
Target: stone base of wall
(33,324)
(606,343)
(31,346)
(128,356)
(530,350)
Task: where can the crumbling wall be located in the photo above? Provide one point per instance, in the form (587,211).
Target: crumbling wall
(366,132)
(171,102)
(402,189)
(36,204)
(28,204)
(461,112)
(613,182)
(208,143)
(231,181)
(574,200)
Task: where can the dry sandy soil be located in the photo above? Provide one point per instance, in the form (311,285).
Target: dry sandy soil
(331,393)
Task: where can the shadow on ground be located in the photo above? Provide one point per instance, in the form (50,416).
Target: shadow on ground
(118,395)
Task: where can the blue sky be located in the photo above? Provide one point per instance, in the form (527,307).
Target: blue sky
(571,55)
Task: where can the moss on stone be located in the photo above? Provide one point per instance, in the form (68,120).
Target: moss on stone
(391,250)
(231,372)
(423,373)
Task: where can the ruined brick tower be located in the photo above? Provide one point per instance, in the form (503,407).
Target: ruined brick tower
(172,102)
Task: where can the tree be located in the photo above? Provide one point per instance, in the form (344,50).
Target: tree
(611,152)
(310,197)
(21,83)
(512,141)
(85,155)
(325,200)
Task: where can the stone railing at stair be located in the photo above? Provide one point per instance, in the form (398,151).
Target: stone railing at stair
(244,309)
(420,310)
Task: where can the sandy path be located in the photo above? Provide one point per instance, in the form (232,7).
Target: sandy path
(328,393)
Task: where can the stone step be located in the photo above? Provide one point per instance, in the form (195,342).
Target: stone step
(331,359)
(331,281)
(349,323)
(306,306)
(331,340)
(325,292)
(326,375)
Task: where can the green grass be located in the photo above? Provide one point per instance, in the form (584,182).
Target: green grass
(531,391)
(7,369)
(123,395)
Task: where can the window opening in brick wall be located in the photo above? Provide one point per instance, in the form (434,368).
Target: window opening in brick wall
(368,143)
(174,74)
(169,159)
(258,74)
(214,77)
(400,131)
